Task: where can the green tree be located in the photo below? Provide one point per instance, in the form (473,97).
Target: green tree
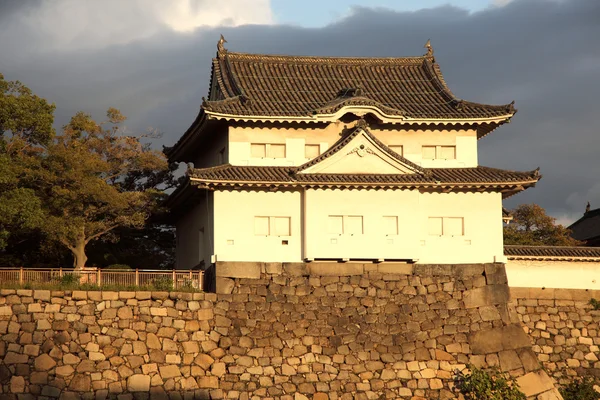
(82,178)
(25,123)
(531,226)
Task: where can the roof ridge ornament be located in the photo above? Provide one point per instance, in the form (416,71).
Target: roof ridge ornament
(429,48)
(221,46)
(361,123)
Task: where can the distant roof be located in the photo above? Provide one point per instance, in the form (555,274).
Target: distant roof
(552,253)
(587,227)
(265,85)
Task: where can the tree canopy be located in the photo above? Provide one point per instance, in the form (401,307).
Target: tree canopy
(93,180)
(531,226)
(29,118)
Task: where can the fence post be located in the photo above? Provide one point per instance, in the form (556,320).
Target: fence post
(21,275)
(174,280)
(137,277)
(60,272)
(99,276)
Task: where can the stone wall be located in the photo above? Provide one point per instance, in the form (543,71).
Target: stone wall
(322,331)
(564,327)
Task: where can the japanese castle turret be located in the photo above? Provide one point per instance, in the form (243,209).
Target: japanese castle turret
(302,159)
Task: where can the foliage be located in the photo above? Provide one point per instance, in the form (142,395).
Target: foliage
(82,178)
(580,389)
(595,304)
(531,226)
(118,266)
(27,116)
(162,283)
(151,247)
(487,385)
(69,280)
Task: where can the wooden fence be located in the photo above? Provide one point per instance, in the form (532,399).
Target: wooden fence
(177,279)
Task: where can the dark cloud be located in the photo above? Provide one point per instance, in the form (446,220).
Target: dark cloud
(10,7)
(543,54)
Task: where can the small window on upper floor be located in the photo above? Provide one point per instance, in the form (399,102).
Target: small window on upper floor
(276,151)
(267,150)
(439,152)
(397,148)
(447,152)
(258,150)
(312,151)
(428,152)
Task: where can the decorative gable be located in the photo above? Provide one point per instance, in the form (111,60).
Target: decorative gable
(359,153)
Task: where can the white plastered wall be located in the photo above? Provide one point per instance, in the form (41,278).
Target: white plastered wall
(372,205)
(235,237)
(194,234)
(481,241)
(483,235)
(412,141)
(553,274)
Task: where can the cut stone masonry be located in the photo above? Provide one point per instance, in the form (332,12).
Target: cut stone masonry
(279,331)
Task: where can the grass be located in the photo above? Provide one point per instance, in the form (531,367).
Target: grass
(68,283)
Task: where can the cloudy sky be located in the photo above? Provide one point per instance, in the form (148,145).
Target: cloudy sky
(151,59)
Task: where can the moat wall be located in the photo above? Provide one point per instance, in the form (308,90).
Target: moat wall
(291,331)
(564,329)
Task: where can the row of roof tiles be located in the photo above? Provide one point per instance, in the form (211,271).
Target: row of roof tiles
(301,86)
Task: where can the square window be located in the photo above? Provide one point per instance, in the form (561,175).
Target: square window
(277,150)
(453,226)
(397,148)
(335,224)
(448,152)
(390,225)
(258,150)
(434,226)
(280,226)
(428,152)
(353,224)
(312,151)
(261,226)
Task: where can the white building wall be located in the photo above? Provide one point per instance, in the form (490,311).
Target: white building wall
(324,208)
(483,236)
(194,235)
(553,274)
(236,238)
(480,241)
(412,142)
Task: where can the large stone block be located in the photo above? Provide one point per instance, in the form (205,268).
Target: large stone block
(138,383)
(486,296)
(335,269)
(534,383)
(224,285)
(395,268)
(488,341)
(296,269)
(247,270)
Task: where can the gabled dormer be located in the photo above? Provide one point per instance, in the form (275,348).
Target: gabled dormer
(359,152)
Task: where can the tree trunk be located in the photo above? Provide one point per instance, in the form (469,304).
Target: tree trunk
(79,257)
